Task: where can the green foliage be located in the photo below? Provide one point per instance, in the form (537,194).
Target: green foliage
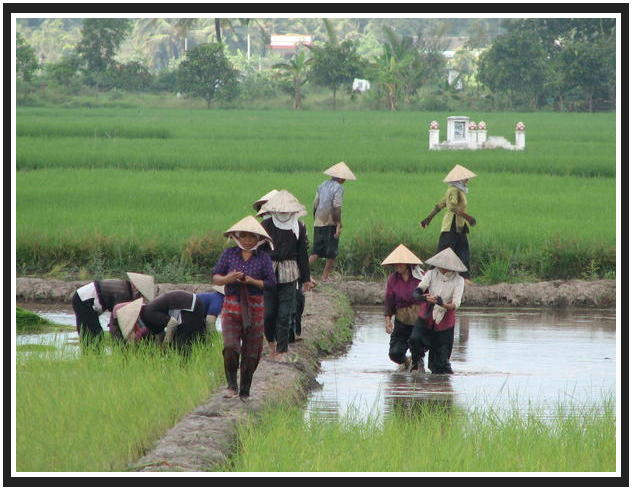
(296,69)
(65,71)
(207,73)
(98,46)
(133,76)
(334,64)
(25,60)
(514,64)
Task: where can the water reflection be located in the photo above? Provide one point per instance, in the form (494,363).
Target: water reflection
(415,393)
(502,358)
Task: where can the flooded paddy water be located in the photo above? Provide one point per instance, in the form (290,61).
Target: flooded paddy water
(504,359)
(522,358)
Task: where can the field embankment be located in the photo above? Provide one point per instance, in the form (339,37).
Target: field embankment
(556,293)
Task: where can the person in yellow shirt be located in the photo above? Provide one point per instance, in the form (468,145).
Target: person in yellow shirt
(456,221)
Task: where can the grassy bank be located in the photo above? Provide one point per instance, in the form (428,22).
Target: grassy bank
(72,415)
(431,439)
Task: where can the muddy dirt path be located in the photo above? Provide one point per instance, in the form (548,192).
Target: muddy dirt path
(206,437)
(554,293)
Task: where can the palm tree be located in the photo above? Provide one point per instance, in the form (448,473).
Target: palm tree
(246,22)
(167,36)
(297,69)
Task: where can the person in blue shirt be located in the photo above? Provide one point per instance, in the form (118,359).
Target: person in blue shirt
(213,306)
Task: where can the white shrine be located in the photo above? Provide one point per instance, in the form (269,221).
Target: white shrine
(462,133)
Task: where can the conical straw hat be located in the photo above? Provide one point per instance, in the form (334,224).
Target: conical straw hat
(248,224)
(264,199)
(401,255)
(283,201)
(458,173)
(340,171)
(128,315)
(219,288)
(447,259)
(144,284)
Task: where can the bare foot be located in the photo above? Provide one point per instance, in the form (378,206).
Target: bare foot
(244,398)
(230,393)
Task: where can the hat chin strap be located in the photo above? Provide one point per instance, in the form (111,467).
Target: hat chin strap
(234,236)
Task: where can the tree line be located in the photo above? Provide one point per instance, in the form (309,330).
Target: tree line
(532,64)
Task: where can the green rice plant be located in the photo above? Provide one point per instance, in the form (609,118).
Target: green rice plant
(291,141)
(174,220)
(99,412)
(496,271)
(431,437)
(29,322)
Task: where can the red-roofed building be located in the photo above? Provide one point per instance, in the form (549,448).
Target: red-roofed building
(289,41)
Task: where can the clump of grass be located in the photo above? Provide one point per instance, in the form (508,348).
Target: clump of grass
(29,322)
(99,412)
(496,271)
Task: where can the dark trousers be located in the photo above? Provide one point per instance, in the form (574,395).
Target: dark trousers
(459,243)
(279,308)
(399,341)
(440,344)
(296,328)
(86,319)
(192,325)
(247,366)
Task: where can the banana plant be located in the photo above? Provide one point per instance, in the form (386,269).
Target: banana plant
(297,70)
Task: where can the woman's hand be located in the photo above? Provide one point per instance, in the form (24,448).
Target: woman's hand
(252,281)
(389,327)
(233,276)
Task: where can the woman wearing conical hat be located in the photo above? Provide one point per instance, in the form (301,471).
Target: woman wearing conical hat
(454,228)
(290,263)
(327,213)
(441,289)
(91,300)
(400,303)
(257,205)
(245,271)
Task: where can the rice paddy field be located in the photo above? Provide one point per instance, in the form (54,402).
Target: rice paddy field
(101,190)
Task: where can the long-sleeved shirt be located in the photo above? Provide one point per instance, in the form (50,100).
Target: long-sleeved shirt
(328,203)
(398,293)
(454,199)
(288,247)
(259,267)
(450,288)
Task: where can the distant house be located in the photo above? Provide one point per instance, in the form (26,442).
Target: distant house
(289,42)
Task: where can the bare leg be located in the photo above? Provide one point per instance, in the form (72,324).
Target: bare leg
(330,265)
(272,350)
(312,259)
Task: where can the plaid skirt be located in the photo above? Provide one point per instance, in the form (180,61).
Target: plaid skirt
(246,341)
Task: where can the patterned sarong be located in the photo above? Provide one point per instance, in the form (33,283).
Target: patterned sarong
(245,340)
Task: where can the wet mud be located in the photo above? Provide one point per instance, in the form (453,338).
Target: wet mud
(206,437)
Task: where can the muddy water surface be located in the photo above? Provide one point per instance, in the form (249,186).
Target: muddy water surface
(62,315)
(519,358)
